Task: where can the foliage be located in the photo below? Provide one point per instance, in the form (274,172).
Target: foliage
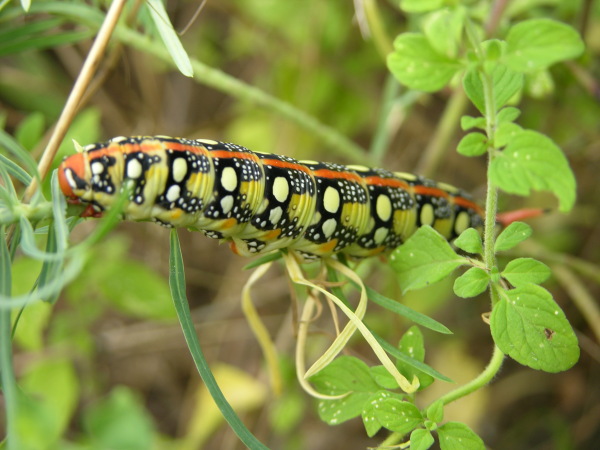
(59,291)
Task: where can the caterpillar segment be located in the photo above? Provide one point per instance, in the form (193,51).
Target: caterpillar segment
(262,202)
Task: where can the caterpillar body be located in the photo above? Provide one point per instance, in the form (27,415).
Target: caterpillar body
(261,202)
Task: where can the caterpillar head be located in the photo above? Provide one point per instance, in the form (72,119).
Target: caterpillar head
(72,177)
(73,183)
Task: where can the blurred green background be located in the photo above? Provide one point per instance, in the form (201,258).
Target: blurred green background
(107,366)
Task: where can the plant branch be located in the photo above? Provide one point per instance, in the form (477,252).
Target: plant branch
(83,80)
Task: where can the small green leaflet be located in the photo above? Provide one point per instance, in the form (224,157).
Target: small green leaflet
(458,436)
(530,327)
(344,375)
(471,283)
(413,345)
(418,6)
(512,235)
(417,65)
(435,411)
(421,439)
(507,114)
(470,241)
(395,415)
(523,271)
(505,82)
(469,122)
(370,422)
(538,43)
(443,29)
(170,38)
(532,161)
(425,258)
(473,144)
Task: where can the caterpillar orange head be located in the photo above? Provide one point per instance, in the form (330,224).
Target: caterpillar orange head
(71,177)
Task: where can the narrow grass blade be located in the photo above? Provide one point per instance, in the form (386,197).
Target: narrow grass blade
(177,284)
(408,360)
(405,311)
(170,38)
(7,375)
(15,170)
(263,260)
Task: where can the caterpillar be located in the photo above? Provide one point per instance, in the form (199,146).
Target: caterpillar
(261,202)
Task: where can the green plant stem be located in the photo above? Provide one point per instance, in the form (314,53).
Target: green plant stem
(480,381)
(382,42)
(432,156)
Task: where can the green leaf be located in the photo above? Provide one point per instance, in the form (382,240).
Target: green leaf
(505,133)
(443,29)
(530,327)
(458,436)
(418,6)
(507,114)
(30,130)
(532,161)
(538,43)
(344,375)
(473,144)
(370,422)
(56,384)
(473,87)
(142,292)
(539,84)
(426,257)
(170,38)
(393,351)
(468,122)
(405,311)
(435,411)
(263,260)
(120,421)
(383,377)
(177,285)
(471,283)
(522,271)
(512,235)
(505,83)
(395,415)
(417,65)
(470,241)
(412,344)
(421,439)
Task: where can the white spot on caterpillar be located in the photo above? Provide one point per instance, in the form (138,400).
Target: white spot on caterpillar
(380,235)
(358,168)
(462,222)
(383,207)
(227,203)
(329,227)
(275,215)
(207,141)
(97,167)
(134,169)
(179,169)
(229,179)
(405,176)
(173,193)
(331,199)
(427,216)
(281,189)
(70,179)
